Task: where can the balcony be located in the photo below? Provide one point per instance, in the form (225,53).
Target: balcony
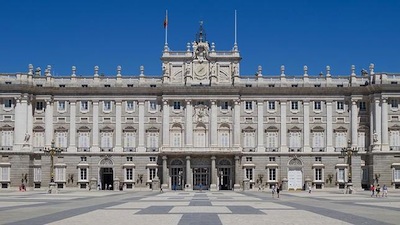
(394,148)
(83,149)
(129,149)
(318,149)
(6,148)
(152,149)
(249,149)
(295,149)
(202,150)
(272,149)
(106,149)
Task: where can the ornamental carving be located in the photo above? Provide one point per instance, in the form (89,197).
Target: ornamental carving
(201,114)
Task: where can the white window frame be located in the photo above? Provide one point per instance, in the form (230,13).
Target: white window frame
(363,106)
(249,173)
(248,105)
(272,174)
(59,173)
(106,139)
(130,106)
(394,138)
(129,139)
(107,106)
(8,104)
(37,174)
(394,104)
(61,139)
(129,174)
(84,106)
(396,173)
(224,138)
(152,106)
(152,139)
(224,105)
(271,106)
(340,106)
(341,174)
(7,138)
(83,174)
(151,173)
(340,139)
(318,174)
(61,106)
(272,140)
(84,140)
(249,139)
(295,139)
(177,106)
(318,140)
(5,173)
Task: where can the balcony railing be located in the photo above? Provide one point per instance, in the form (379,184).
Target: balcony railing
(129,149)
(394,148)
(152,149)
(104,149)
(318,149)
(338,149)
(249,149)
(83,149)
(202,149)
(272,149)
(295,149)
(6,148)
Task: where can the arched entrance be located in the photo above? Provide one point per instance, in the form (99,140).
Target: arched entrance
(295,174)
(225,174)
(106,174)
(177,174)
(201,173)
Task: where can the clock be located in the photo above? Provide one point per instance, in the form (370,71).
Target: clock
(200,70)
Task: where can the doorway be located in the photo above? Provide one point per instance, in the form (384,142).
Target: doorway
(107,177)
(295,179)
(201,178)
(177,178)
(225,181)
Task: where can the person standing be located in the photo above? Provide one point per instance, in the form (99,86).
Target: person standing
(309,189)
(385,191)
(378,190)
(273,191)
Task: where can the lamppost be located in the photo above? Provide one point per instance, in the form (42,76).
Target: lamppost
(349,152)
(221,179)
(52,151)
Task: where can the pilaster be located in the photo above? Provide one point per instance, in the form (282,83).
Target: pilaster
(213,186)
(189,123)
(306,126)
(284,147)
(165,124)
(72,126)
(118,126)
(95,132)
(329,127)
(260,126)
(378,124)
(141,147)
(236,123)
(354,122)
(48,120)
(189,183)
(385,127)
(214,124)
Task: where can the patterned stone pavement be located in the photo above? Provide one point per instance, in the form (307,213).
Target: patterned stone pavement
(181,208)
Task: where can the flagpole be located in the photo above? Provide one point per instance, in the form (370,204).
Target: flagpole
(166,28)
(235,44)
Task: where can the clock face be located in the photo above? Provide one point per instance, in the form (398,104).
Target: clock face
(200,70)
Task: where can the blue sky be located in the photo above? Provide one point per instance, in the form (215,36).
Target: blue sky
(294,33)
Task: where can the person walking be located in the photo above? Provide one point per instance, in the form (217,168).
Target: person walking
(309,189)
(378,190)
(273,191)
(372,189)
(385,191)
(277,190)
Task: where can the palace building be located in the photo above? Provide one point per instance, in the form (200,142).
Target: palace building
(201,124)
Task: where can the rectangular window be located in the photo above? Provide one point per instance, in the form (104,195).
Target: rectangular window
(129,106)
(59,174)
(5,173)
(129,174)
(249,141)
(7,138)
(249,159)
(106,105)
(394,103)
(317,105)
(176,139)
(272,141)
(340,176)
(84,105)
(152,159)
(224,138)
(249,105)
(129,139)
(37,174)
(396,174)
(363,106)
(152,140)
(272,159)
(271,105)
(39,105)
(152,173)
(106,139)
(295,105)
(129,159)
(341,140)
(61,139)
(83,159)
(153,105)
(318,159)
(83,140)
(272,174)
(7,103)
(61,106)
(340,105)
(224,105)
(249,173)
(83,174)
(177,105)
(318,174)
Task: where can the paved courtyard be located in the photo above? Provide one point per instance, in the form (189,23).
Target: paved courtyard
(224,207)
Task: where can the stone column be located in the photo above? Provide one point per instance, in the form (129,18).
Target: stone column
(20,129)
(118,126)
(354,123)
(95,143)
(165,124)
(378,125)
(260,126)
(385,126)
(29,118)
(48,123)
(283,130)
(141,145)
(372,122)
(164,173)
(236,124)
(72,126)
(236,186)
(189,123)
(329,127)
(189,183)
(214,124)
(213,186)
(306,126)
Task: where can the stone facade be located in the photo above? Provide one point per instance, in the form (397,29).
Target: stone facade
(199,125)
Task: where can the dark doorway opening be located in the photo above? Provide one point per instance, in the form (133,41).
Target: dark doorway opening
(107,178)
